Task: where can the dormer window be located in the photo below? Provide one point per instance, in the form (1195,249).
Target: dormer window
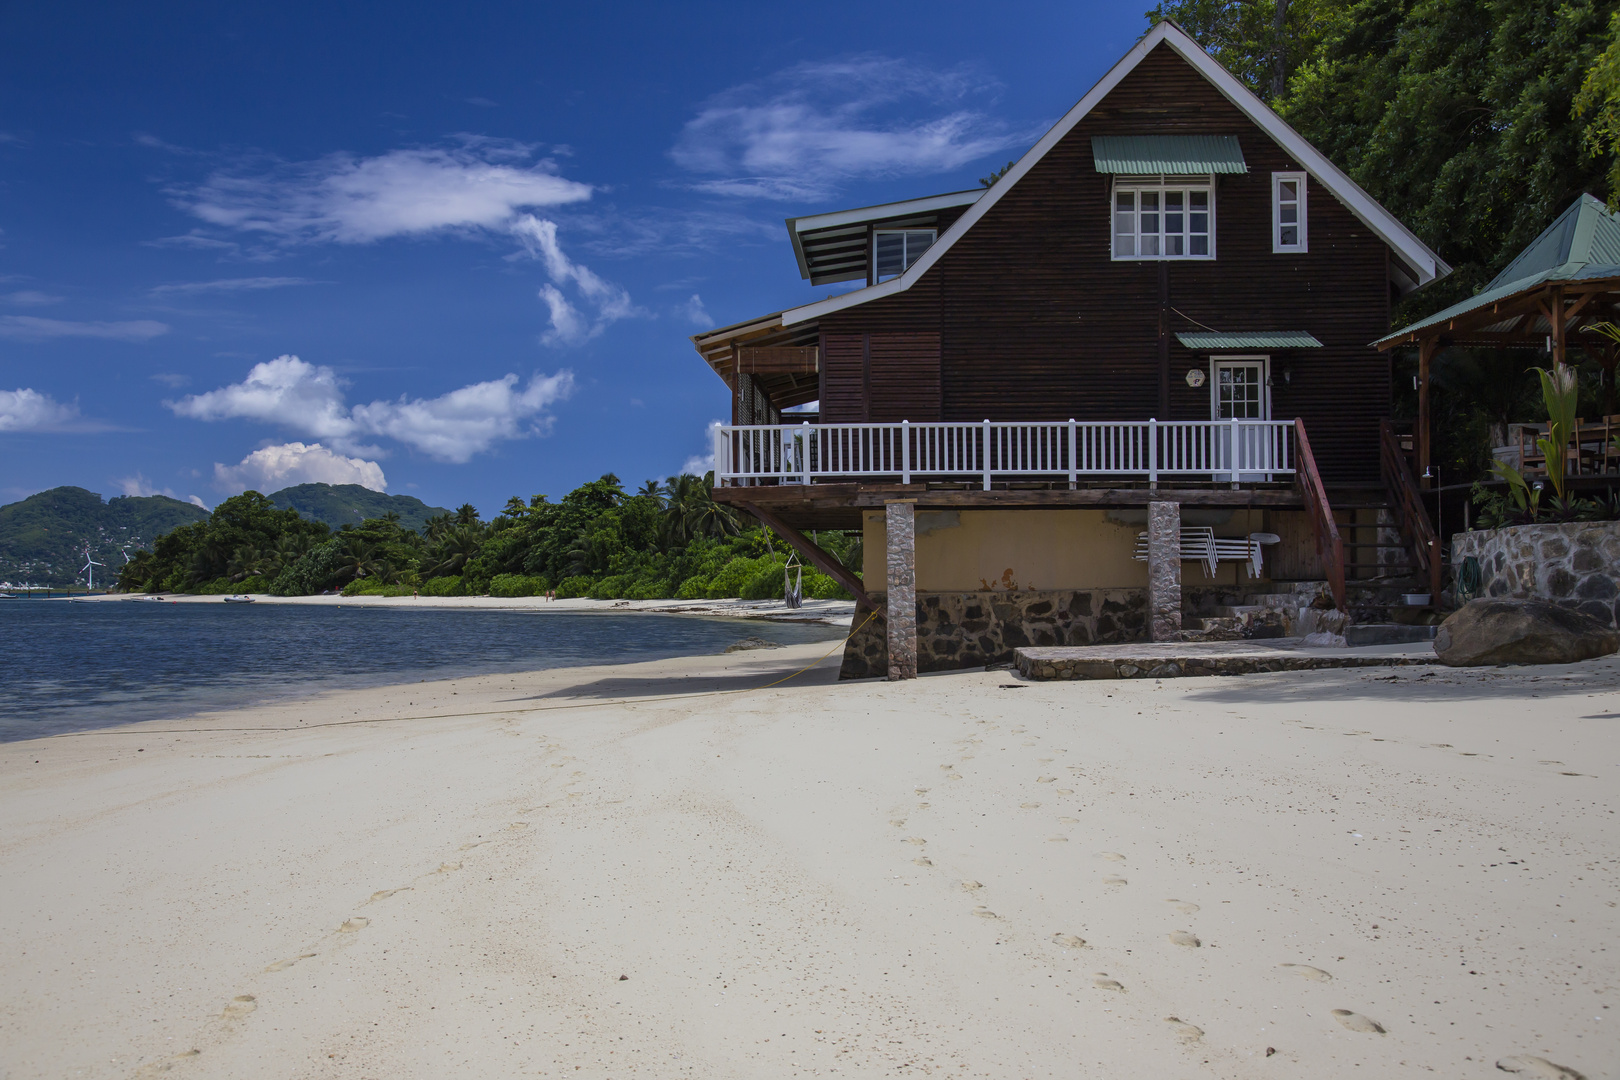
(1287,212)
(1164,217)
(894,250)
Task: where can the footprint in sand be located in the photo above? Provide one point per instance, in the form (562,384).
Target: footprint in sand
(1186,907)
(898,823)
(1538,1067)
(157,1067)
(1045,779)
(985,913)
(1181,937)
(923,861)
(1069,941)
(919,841)
(1103,982)
(1354,1021)
(920,791)
(1069,820)
(1115,881)
(283,965)
(1315,974)
(240,1007)
(383,894)
(972,885)
(1111,856)
(475,843)
(1183,1030)
(923,806)
(1065,791)
(446,867)
(1057,839)
(1030,805)
(353,925)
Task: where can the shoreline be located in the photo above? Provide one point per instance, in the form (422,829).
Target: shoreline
(830,612)
(635,870)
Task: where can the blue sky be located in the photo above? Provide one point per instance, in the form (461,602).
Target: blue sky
(452,250)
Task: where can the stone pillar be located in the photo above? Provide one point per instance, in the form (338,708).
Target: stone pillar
(901,525)
(1164,571)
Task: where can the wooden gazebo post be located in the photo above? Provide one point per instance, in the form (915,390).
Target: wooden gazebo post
(1421,437)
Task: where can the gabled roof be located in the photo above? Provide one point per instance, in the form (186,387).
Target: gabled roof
(1252,339)
(1582,244)
(1423,264)
(833,246)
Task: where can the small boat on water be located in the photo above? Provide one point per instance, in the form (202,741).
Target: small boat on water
(239,599)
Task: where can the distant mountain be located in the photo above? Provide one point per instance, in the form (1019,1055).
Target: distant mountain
(42,538)
(350,504)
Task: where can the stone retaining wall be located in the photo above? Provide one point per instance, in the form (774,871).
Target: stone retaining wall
(1574,565)
(1040,664)
(972,629)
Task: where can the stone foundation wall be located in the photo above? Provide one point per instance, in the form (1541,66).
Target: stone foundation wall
(972,629)
(1574,565)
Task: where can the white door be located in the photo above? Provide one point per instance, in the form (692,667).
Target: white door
(1239,391)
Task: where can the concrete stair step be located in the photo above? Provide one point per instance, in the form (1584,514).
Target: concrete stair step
(1387,634)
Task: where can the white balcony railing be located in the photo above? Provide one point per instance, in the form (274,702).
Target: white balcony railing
(1218,450)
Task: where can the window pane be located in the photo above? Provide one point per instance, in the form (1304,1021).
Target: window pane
(1198,223)
(1289,213)
(1172,223)
(1198,245)
(1150,223)
(1288,190)
(890,254)
(1172,245)
(1125,200)
(1150,200)
(1290,235)
(917,242)
(1125,245)
(1198,200)
(1150,245)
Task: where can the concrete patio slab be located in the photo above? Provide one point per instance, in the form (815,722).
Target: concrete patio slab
(1171,660)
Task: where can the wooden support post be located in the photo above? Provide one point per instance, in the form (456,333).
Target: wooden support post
(1164,571)
(811,553)
(1421,440)
(901,521)
(1559,322)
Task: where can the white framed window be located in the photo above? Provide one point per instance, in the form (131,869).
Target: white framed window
(894,250)
(1288,212)
(1164,217)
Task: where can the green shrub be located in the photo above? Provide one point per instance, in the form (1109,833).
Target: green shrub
(517,585)
(818,586)
(649,590)
(693,588)
(735,574)
(766,584)
(578,585)
(443,586)
(254,584)
(611,588)
(373,587)
(217,587)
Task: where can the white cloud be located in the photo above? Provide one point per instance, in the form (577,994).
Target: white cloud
(346,199)
(195,501)
(699,464)
(229,285)
(695,313)
(272,468)
(452,427)
(31,298)
(568,325)
(806,130)
(30,410)
(33,328)
(173,380)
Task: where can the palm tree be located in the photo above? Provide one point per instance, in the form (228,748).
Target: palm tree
(453,551)
(466,514)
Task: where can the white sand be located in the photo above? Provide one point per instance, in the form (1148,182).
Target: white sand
(870,879)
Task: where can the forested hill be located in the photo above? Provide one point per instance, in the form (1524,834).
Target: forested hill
(350,504)
(43,537)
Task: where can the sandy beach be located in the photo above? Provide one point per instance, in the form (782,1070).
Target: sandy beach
(618,872)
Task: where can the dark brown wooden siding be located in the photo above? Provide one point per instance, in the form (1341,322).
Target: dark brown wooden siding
(843,378)
(1035,320)
(904,376)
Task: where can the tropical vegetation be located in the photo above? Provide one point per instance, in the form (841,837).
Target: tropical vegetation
(665,541)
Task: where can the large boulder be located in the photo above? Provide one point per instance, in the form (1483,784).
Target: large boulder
(1503,631)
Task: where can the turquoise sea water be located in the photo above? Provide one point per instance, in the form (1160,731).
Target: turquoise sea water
(72,667)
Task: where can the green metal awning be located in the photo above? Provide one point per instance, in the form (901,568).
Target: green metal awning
(1256,339)
(1178,154)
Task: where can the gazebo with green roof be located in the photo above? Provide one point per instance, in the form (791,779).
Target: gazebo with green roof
(1567,277)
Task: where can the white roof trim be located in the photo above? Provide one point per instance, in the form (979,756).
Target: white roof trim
(1383,224)
(884,210)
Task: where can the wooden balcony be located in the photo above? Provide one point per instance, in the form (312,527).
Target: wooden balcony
(1232,453)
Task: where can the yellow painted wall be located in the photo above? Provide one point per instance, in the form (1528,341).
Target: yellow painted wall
(1033,549)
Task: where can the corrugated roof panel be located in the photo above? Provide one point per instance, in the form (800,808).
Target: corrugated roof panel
(1178,154)
(1253,339)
